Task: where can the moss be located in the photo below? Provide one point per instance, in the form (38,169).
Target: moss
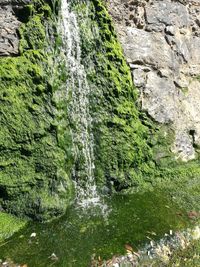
(131,150)
(35,143)
(188,257)
(35,138)
(120,138)
(34,39)
(9,225)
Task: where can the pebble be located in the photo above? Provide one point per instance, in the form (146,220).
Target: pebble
(33,235)
(53,257)
(161,250)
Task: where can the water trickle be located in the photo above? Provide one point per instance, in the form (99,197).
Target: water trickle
(81,120)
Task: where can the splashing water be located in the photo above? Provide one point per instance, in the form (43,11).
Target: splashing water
(79,91)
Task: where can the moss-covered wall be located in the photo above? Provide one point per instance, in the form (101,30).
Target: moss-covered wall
(35,158)
(132,151)
(121,146)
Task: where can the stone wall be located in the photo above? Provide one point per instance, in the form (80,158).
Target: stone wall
(161,42)
(9,24)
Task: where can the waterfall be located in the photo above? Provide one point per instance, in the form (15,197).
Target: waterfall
(78,90)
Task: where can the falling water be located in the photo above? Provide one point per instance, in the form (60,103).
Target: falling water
(79,91)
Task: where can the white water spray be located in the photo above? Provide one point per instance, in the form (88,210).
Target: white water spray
(79,91)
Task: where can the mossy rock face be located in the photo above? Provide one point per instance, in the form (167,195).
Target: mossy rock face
(121,149)
(131,150)
(35,157)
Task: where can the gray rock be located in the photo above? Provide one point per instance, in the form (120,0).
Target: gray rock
(147,49)
(9,24)
(164,13)
(183,146)
(170,30)
(139,77)
(161,42)
(14,2)
(158,98)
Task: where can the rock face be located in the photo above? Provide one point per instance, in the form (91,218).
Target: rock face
(38,155)
(161,41)
(35,141)
(9,23)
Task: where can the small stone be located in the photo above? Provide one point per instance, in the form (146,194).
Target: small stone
(33,235)
(196,233)
(151,243)
(53,257)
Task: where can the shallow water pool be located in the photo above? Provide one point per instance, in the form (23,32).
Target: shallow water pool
(79,235)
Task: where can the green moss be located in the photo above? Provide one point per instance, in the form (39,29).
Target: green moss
(184,90)
(35,141)
(35,138)
(188,257)
(132,219)
(121,139)
(197,78)
(9,225)
(131,150)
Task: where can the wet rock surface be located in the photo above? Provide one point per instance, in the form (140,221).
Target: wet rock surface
(9,24)
(161,41)
(155,253)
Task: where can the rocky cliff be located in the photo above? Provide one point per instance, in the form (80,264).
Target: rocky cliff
(161,42)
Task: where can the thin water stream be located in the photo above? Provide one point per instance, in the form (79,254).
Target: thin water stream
(77,86)
(74,238)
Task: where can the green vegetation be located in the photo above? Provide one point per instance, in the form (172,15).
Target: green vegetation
(35,158)
(9,225)
(96,233)
(188,257)
(131,150)
(122,150)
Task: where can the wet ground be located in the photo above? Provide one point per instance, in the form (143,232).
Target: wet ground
(72,241)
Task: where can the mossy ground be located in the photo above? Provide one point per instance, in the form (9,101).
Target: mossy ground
(77,236)
(9,225)
(189,257)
